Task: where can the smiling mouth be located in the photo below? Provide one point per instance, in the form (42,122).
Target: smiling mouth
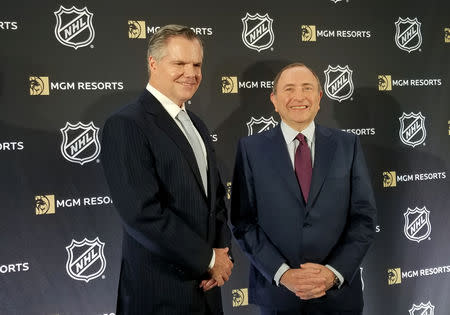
(299,107)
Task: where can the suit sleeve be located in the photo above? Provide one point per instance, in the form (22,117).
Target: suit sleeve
(359,232)
(223,234)
(129,166)
(244,219)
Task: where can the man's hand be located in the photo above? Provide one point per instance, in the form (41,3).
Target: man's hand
(221,270)
(324,272)
(208,284)
(308,282)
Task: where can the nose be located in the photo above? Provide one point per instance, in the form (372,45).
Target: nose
(190,70)
(299,95)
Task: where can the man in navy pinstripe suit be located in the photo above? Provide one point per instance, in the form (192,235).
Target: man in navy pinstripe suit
(161,169)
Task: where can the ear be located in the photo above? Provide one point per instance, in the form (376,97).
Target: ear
(152,63)
(274,101)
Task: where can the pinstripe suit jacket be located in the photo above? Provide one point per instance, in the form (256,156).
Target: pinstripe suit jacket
(170,225)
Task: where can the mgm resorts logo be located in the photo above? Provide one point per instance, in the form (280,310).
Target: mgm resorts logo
(231,85)
(309,33)
(397,276)
(74,27)
(255,126)
(408,36)
(240,297)
(391,178)
(338,82)
(257,31)
(47,204)
(139,30)
(40,85)
(385,82)
(412,130)
(447,34)
(80,142)
(86,259)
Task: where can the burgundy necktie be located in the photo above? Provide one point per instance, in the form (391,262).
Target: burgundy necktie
(303,165)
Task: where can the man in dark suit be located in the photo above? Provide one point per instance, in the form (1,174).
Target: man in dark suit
(161,169)
(302,207)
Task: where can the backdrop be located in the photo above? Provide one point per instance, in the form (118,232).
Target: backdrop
(65,66)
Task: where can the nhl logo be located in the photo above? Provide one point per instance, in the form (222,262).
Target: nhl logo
(259,125)
(74,27)
(412,129)
(257,33)
(407,34)
(338,82)
(417,224)
(80,142)
(86,259)
(422,309)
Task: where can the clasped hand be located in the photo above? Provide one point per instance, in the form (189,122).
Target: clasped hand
(309,281)
(220,272)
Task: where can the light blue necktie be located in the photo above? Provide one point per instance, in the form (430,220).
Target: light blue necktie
(196,146)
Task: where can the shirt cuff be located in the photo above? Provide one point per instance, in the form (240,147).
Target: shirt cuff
(338,275)
(212,261)
(283,268)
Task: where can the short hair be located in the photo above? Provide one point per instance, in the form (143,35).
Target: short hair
(157,43)
(294,65)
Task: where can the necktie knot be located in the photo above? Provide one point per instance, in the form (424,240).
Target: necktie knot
(301,138)
(183,116)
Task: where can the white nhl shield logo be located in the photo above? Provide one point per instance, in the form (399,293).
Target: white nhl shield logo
(422,309)
(412,129)
(259,125)
(417,224)
(338,82)
(80,142)
(74,27)
(257,31)
(407,34)
(86,259)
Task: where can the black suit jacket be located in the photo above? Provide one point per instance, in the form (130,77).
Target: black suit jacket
(273,224)
(170,225)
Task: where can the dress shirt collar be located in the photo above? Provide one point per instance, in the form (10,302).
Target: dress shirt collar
(289,133)
(172,108)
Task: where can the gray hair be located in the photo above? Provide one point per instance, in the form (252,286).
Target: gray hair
(157,43)
(293,65)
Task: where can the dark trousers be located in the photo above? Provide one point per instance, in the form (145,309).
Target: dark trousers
(268,311)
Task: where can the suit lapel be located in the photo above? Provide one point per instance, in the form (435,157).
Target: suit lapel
(278,153)
(166,123)
(325,147)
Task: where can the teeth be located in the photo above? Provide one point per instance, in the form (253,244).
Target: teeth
(301,107)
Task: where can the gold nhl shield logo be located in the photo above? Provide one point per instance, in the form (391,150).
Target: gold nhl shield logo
(240,297)
(394,276)
(308,33)
(412,129)
(229,85)
(255,126)
(417,224)
(74,27)
(257,31)
(45,204)
(408,36)
(39,85)
(86,259)
(136,29)
(384,82)
(338,82)
(422,309)
(389,179)
(80,142)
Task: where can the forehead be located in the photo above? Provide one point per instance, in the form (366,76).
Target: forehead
(297,75)
(183,45)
